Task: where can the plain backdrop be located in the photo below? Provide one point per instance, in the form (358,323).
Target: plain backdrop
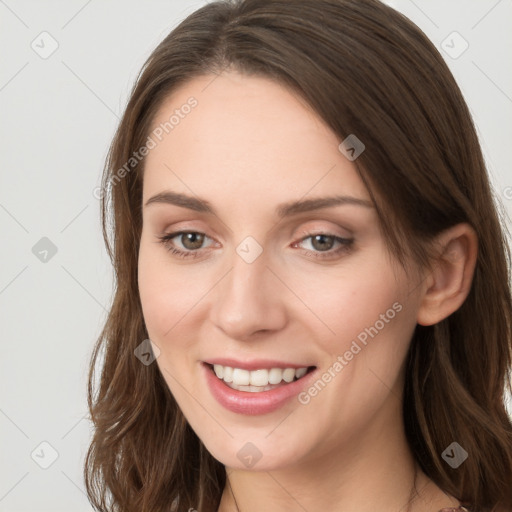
(65,74)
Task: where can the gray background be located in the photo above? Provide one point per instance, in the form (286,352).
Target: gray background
(58,115)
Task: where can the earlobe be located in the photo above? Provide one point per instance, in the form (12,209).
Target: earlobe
(448,284)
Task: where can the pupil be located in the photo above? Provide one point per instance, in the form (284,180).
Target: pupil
(319,242)
(192,240)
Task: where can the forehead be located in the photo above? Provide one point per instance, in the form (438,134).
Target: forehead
(248,135)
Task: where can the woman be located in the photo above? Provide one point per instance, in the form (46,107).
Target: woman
(312,308)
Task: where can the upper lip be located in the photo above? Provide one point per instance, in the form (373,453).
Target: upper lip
(254,364)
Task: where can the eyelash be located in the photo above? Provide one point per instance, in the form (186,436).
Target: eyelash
(346,245)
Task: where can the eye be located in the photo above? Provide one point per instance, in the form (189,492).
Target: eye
(191,242)
(188,244)
(323,243)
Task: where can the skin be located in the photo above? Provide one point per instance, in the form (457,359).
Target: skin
(248,146)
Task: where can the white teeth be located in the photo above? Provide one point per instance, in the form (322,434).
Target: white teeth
(228,374)
(259,377)
(241,377)
(289,374)
(301,372)
(257,380)
(251,389)
(275,376)
(219,370)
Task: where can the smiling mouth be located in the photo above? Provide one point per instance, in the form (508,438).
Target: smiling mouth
(256,381)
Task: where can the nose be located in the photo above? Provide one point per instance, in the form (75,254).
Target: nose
(249,300)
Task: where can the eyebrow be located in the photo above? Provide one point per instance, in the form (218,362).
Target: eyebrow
(283,210)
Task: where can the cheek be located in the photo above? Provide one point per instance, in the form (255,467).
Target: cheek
(175,303)
(367,319)
(373,323)
(350,303)
(166,301)
(162,295)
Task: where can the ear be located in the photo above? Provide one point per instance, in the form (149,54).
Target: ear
(446,287)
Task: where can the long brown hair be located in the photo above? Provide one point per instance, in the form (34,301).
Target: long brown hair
(366,70)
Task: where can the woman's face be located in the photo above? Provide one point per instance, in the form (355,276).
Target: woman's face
(271,273)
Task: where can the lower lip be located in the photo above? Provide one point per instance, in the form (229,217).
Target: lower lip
(245,402)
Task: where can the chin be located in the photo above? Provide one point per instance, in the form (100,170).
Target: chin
(256,454)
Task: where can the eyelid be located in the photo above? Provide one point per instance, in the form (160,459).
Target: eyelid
(345,244)
(333,230)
